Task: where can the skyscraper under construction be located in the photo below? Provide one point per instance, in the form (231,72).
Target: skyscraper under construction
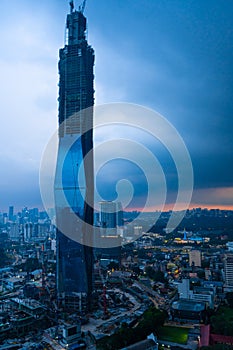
(74,196)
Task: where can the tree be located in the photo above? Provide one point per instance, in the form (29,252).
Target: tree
(113,265)
(229,297)
(32,264)
(4,260)
(157,276)
(222,321)
(152,319)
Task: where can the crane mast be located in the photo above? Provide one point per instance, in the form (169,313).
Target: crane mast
(81,7)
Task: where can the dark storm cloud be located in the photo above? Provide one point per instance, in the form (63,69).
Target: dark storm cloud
(179,61)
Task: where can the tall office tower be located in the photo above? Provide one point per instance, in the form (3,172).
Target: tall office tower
(14,233)
(195,258)
(76,99)
(119,214)
(111,214)
(11,213)
(228,270)
(108,214)
(107,234)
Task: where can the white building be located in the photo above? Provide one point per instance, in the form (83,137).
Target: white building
(53,245)
(195,258)
(207,298)
(228,270)
(183,288)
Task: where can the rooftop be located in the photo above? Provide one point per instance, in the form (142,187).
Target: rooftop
(188,305)
(142,345)
(29,303)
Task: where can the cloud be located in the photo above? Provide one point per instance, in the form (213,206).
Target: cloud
(214,197)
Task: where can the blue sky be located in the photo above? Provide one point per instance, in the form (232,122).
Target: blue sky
(173,56)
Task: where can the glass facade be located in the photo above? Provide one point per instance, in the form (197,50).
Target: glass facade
(74,173)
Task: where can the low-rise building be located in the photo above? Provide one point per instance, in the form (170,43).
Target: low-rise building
(188,311)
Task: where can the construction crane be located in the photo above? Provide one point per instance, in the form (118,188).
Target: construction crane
(82,7)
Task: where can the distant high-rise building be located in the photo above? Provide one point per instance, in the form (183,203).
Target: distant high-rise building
(11,213)
(34,214)
(27,231)
(119,214)
(108,214)
(195,258)
(14,233)
(76,93)
(111,214)
(228,270)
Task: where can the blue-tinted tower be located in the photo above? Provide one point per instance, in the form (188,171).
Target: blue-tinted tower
(76,94)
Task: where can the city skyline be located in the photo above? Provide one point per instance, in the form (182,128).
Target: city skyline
(180,54)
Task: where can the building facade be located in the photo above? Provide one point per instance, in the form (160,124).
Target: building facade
(76,99)
(195,258)
(184,288)
(108,211)
(188,311)
(228,271)
(111,214)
